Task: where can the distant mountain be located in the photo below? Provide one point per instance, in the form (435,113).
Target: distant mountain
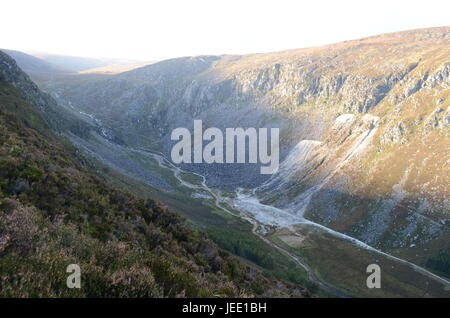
(33,64)
(116,68)
(43,67)
(78,64)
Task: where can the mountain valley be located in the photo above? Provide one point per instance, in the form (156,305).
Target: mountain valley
(364,163)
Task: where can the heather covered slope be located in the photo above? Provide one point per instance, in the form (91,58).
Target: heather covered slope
(54,212)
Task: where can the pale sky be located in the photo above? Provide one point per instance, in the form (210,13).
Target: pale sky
(160,29)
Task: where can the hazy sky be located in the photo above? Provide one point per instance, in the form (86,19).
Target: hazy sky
(148,30)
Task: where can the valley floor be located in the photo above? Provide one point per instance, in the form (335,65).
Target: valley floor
(330,262)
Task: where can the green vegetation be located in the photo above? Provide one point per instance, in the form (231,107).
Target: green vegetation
(342,266)
(230,232)
(440,263)
(191,178)
(54,212)
(253,249)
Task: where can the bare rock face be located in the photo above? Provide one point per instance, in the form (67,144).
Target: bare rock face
(395,134)
(364,126)
(439,118)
